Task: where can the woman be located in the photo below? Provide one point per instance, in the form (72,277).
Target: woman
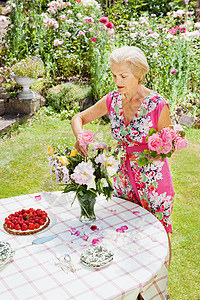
(133,110)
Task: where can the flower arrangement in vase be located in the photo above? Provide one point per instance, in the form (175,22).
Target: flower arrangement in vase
(87,176)
(25,73)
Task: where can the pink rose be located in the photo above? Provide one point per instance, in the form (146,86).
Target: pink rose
(180,143)
(100,145)
(166,148)
(86,137)
(155,142)
(167,135)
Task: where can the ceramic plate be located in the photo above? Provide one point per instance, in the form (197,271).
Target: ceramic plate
(96,257)
(6,253)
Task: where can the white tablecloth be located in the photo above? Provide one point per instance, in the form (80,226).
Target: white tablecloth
(140,252)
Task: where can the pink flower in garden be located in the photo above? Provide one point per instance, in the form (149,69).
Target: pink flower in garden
(104,20)
(174,30)
(68,34)
(70,21)
(182,29)
(62,17)
(57,42)
(155,142)
(94,39)
(100,145)
(86,137)
(180,143)
(68,4)
(78,1)
(81,33)
(109,25)
(69,12)
(174,71)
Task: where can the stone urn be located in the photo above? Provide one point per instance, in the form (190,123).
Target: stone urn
(25,82)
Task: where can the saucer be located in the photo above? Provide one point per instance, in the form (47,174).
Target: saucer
(6,253)
(96,257)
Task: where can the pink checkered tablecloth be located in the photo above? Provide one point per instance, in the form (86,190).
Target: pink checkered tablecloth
(140,252)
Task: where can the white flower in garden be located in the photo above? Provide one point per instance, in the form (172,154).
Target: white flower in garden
(91,3)
(197,25)
(83,173)
(79,15)
(70,21)
(142,34)
(169,36)
(57,42)
(90,29)
(61,4)
(69,12)
(62,17)
(100,159)
(68,34)
(81,33)
(68,4)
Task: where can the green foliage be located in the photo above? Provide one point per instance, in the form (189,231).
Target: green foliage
(65,98)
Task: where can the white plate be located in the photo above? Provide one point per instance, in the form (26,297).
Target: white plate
(6,253)
(51,224)
(96,257)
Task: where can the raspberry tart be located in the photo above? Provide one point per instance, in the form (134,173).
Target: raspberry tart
(26,221)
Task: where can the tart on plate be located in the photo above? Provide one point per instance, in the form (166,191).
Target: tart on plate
(26,221)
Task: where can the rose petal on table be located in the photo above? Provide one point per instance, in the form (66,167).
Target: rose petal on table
(38,197)
(124,227)
(135,212)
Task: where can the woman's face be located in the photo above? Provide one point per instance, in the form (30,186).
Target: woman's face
(124,79)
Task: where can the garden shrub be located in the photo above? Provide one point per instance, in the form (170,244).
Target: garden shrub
(66,98)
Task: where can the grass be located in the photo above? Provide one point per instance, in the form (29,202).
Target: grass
(24,170)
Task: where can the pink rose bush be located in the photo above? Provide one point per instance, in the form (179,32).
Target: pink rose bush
(163,143)
(90,175)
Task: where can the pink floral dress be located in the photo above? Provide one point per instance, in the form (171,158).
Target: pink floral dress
(150,186)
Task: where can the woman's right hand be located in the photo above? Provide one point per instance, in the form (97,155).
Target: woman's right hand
(81,149)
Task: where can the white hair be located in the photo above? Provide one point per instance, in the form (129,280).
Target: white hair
(138,62)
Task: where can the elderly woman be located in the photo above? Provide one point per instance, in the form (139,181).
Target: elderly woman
(134,109)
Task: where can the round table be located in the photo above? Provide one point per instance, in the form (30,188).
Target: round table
(137,239)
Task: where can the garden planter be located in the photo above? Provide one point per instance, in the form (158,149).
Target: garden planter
(25,82)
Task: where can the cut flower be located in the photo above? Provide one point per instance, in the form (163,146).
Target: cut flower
(89,175)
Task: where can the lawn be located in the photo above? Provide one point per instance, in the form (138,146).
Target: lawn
(24,169)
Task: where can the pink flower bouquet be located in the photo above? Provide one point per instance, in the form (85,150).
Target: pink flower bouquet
(163,144)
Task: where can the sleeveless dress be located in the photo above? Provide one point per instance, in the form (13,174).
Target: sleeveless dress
(150,186)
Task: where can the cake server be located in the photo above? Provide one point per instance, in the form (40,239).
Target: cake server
(38,241)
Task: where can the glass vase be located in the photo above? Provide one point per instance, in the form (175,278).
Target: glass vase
(87,202)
